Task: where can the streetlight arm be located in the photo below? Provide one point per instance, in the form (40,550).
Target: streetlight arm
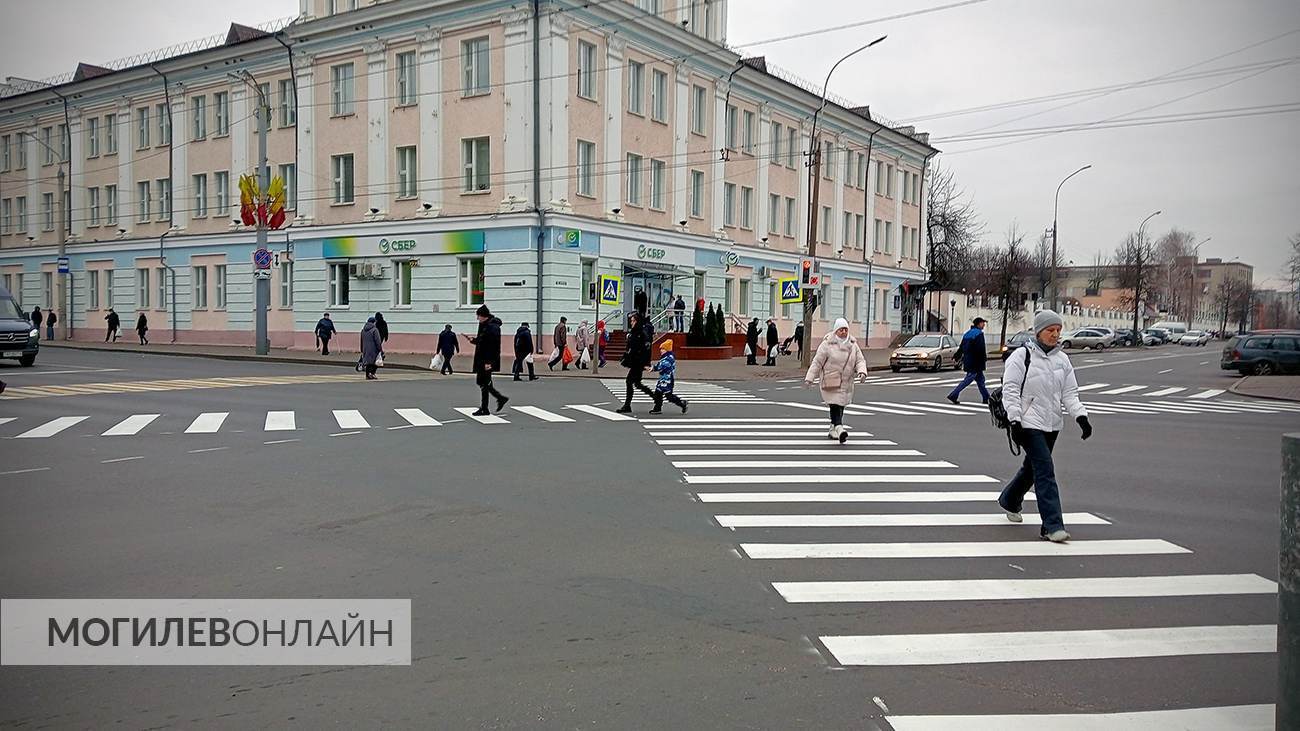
(827,84)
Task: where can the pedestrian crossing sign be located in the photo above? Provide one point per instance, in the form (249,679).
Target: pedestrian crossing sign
(610,290)
(790,292)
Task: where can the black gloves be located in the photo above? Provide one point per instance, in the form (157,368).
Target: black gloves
(1085,426)
(1017,433)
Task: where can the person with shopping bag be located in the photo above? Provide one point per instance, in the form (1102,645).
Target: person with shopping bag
(751,343)
(773,343)
(580,345)
(666,367)
(448,346)
(836,365)
(370,349)
(524,352)
(324,331)
(114,325)
(561,340)
(636,359)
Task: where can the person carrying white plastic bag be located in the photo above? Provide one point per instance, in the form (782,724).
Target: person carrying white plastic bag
(838,363)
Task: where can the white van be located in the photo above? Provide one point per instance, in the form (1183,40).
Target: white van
(1176,330)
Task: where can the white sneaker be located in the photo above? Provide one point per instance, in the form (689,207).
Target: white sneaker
(1057,536)
(1013,517)
(833,434)
(844,434)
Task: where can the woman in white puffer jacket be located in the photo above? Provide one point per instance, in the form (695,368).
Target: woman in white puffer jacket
(838,362)
(1034,400)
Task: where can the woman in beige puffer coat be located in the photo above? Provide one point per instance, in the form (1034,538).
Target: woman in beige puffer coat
(838,362)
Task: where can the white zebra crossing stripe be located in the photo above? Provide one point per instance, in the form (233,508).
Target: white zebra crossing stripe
(774,464)
(888,520)
(542,414)
(417,417)
(701,434)
(489,419)
(1092,386)
(51,428)
(7,419)
(1240,718)
(130,425)
(982,549)
(977,590)
(828,478)
(669,426)
(1208,393)
(208,422)
(1166,391)
(280,421)
(840,452)
(350,419)
(988,647)
(972,408)
(744,420)
(863,410)
(1121,389)
(851,497)
(602,413)
(810,440)
(932,408)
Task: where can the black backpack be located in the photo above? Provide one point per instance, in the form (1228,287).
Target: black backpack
(998,411)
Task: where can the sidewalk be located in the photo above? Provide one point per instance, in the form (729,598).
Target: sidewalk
(690,370)
(1278,388)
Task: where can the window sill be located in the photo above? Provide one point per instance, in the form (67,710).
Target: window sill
(636,114)
(340,307)
(343,204)
(658,209)
(343,115)
(476,192)
(401,307)
(590,196)
(400,198)
(88,157)
(220,136)
(591,99)
(664,122)
(699,134)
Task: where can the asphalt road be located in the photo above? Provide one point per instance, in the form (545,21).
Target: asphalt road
(566,574)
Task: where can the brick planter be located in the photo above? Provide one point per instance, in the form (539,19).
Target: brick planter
(721,352)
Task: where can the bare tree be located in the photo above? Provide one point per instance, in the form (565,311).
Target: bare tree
(1173,253)
(1097,275)
(1040,275)
(1232,300)
(952,228)
(1012,267)
(1135,274)
(1292,273)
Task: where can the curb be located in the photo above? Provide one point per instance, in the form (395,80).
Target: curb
(1234,389)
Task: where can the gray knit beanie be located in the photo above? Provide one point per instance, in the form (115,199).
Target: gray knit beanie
(1045,319)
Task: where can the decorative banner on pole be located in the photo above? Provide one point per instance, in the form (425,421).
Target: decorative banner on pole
(790,292)
(258,207)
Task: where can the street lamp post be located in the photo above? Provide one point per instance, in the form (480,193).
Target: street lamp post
(1137,289)
(65,225)
(1055,207)
(262,286)
(814,171)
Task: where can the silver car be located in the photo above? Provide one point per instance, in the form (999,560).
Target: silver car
(932,351)
(1088,338)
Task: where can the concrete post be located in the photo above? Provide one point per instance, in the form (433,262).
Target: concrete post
(1288,592)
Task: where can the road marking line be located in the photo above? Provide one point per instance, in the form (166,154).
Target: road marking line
(23,472)
(1147,406)
(840,452)
(972,408)
(1204,362)
(51,428)
(671,426)
(489,419)
(829,478)
(130,425)
(1121,389)
(985,590)
(208,422)
(597,411)
(415,417)
(345,433)
(850,497)
(1253,717)
(280,421)
(209,449)
(542,414)
(1091,386)
(980,549)
(787,463)
(1208,393)
(60,373)
(282,441)
(121,459)
(350,419)
(987,647)
(934,408)
(702,434)
(1167,370)
(809,441)
(748,420)
(7,419)
(864,410)
(889,520)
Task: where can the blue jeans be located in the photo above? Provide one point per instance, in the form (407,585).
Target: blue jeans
(1039,473)
(978,378)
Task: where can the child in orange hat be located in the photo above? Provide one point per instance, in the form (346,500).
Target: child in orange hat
(666,367)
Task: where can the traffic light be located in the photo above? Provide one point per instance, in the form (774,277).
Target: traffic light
(805,271)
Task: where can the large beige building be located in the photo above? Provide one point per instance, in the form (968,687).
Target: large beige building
(441,154)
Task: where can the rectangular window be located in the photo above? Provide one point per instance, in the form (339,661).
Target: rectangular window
(824,298)
(289,174)
(748,129)
(221,191)
(92,139)
(775,136)
(746,207)
(857,304)
(20,142)
(6,215)
(199,275)
(342,94)
(471,281)
(916,189)
(697,193)
(880,178)
(847,240)
(92,290)
(699,110)
(773,213)
(142,128)
(588,278)
(792,147)
(219,285)
(110,134)
(729,204)
(4,152)
(288,103)
(407,79)
(142,288)
(828,160)
(745,286)
(162,288)
(477,157)
(221,114)
(633,179)
(47,289)
(586,70)
(286,284)
(65,141)
(341,174)
(862,171)
(849,176)
(889,181)
(338,284)
(586,168)
(825,235)
(47,211)
(200,185)
(143,201)
(164,186)
(657,183)
(47,152)
(635,87)
(476,71)
(859,230)
(164,124)
(907,187)
(269,100)
(773,299)
(847,298)
(406,172)
(402,283)
(728,296)
(92,206)
(20,203)
(108,288)
(879,240)
(659,96)
(199,117)
(732,124)
(789,217)
(889,237)
(110,204)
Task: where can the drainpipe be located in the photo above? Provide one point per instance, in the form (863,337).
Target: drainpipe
(171,195)
(537,161)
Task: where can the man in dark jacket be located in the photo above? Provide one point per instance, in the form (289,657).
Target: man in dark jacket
(114,324)
(751,343)
(448,346)
(523,349)
(974,357)
(487,359)
(796,338)
(636,359)
(773,342)
(641,302)
(50,322)
(561,340)
(37,318)
(324,331)
(679,314)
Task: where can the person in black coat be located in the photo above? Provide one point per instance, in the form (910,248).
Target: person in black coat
(448,346)
(371,349)
(114,323)
(641,302)
(487,359)
(636,359)
(324,331)
(142,328)
(974,358)
(50,322)
(751,342)
(382,326)
(773,342)
(37,318)
(523,349)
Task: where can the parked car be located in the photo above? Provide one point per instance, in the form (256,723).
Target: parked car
(1159,334)
(930,351)
(1151,339)
(1263,354)
(18,339)
(1088,338)
(1194,338)
(1015,341)
(1124,337)
(1175,329)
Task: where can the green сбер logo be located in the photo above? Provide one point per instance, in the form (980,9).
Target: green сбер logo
(383,246)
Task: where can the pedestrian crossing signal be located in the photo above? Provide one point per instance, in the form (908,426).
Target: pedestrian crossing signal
(807,274)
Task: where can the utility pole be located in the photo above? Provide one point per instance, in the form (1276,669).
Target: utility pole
(814,175)
(65,225)
(262,285)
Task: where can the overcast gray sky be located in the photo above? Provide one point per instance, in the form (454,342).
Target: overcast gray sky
(1234,179)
